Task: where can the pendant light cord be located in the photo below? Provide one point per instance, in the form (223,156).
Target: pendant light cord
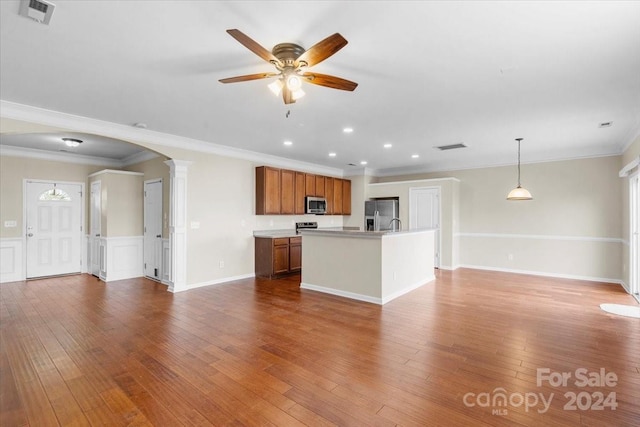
(518,139)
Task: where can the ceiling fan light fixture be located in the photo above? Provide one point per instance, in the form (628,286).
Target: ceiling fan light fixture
(297,94)
(294,82)
(519,193)
(276,87)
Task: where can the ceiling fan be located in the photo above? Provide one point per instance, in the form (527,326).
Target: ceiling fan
(291,61)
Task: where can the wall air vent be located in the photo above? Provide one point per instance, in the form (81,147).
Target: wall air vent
(451,147)
(38,10)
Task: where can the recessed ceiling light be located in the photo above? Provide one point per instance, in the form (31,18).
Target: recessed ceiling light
(332,154)
(347,130)
(364,162)
(72,142)
(605,124)
(387,145)
(415,156)
(288,143)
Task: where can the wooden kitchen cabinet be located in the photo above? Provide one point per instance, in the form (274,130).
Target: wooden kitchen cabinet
(287,192)
(268,195)
(301,192)
(328,194)
(283,192)
(295,254)
(346,197)
(337,196)
(310,184)
(320,191)
(277,256)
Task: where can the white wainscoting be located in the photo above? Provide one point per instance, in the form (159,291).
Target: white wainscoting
(123,258)
(165,268)
(12,260)
(588,258)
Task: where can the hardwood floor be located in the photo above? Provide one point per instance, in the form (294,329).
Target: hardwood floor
(77,351)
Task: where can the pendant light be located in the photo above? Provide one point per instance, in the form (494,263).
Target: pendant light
(519,193)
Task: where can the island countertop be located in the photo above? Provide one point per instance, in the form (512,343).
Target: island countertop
(359,234)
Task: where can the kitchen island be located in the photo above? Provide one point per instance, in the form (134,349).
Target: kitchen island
(372,266)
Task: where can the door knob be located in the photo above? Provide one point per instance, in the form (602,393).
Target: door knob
(30,235)
(158,235)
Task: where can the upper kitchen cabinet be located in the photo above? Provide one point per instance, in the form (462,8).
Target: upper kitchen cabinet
(346,197)
(268,192)
(283,192)
(328,194)
(320,191)
(287,192)
(310,185)
(300,193)
(337,196)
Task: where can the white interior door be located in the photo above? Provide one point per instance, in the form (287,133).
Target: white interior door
(634,241)
(95,225)
(152,228)
(424,212)
(53,213)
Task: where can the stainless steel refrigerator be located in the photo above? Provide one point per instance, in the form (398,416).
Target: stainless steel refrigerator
(381,215)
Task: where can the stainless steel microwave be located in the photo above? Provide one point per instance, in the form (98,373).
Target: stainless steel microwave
(315,205)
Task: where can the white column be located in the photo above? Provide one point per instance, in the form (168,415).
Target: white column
(178,224)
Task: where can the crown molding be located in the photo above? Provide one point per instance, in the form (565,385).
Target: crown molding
(31,153)
(27,113)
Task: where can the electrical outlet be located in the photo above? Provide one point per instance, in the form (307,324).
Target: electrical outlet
(510,257)
(221,264)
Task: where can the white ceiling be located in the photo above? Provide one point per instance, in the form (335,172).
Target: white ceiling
(429,73)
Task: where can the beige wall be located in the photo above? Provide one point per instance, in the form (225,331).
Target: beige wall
(574,201)
(121,203)
(156,169)
(13,172)
(630,154)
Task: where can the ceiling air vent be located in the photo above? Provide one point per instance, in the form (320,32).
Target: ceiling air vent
(38,10)
(451,147)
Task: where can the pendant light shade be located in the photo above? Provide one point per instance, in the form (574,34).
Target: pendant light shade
(519,193)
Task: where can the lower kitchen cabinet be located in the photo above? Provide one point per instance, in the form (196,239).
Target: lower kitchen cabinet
(277,256)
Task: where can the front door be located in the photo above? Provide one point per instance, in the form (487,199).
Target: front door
(152,228)
(53,228)
(424,212)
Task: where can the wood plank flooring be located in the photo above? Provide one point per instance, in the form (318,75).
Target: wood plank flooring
(77,351)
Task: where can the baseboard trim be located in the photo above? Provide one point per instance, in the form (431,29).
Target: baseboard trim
(367,298)
(215,282)
(545,274)
(408,289)
(339,293)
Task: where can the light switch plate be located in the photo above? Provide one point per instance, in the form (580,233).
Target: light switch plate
(195,225)
(10,224)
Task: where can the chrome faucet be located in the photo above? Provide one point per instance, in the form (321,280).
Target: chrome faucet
(399,223)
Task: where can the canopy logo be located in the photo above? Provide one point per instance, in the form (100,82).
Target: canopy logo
(499,400)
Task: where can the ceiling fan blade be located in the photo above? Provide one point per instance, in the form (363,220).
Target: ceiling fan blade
(287,96)
(322,50)
(248,77)
(253,46)
(329,81)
